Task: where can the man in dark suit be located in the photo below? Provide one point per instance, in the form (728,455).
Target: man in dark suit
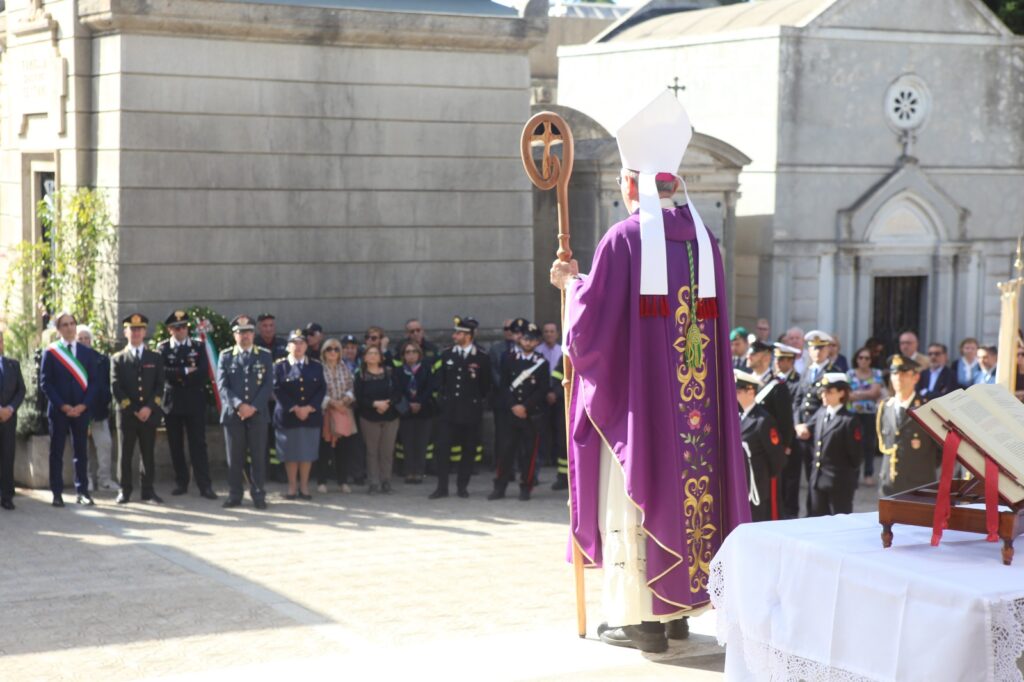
(137,381)
(761,441)
(245,382)
(12,392)
(939,379)
(838,450)
(186,376)
(67,375)
(463,382)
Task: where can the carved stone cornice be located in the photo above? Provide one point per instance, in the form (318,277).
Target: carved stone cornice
(313,25)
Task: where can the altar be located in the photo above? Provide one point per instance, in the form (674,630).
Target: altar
(821,599)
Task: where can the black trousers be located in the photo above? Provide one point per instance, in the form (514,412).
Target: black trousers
(7,444)
(415,435)
(520,449)
(338,457)
(798,463)
(830,502)
(132,431)
(246,437)
(194,426)
(450,434)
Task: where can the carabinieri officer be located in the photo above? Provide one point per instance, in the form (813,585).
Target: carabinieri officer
(186,375)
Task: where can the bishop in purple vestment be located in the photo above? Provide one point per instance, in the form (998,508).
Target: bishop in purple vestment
(654,389)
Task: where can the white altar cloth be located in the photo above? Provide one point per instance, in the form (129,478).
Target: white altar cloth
(820,599)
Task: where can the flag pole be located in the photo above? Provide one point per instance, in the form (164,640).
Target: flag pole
(547,129)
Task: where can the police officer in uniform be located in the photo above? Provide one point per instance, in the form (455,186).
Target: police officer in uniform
(245,382)
(463,382)
(525,380)
(909,455)
(776,398)
(806,401)
(838,449)
(761,442)
(186,375)
(137,382)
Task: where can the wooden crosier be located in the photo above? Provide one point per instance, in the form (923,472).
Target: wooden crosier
(547,129)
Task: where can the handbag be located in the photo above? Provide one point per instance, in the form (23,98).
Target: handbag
(339,423)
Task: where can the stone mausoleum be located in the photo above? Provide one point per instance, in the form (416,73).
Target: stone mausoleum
(350,162)
(885,183)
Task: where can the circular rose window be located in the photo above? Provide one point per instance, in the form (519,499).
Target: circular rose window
(907,103)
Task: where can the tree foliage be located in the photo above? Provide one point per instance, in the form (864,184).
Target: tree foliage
(1010,11)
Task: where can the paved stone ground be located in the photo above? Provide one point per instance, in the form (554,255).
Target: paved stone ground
(344,586)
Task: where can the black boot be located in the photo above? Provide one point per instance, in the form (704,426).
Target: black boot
(561,482)
(498,492)
(647,637)
(678,629)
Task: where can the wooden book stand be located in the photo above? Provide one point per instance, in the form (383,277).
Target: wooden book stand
(916,507)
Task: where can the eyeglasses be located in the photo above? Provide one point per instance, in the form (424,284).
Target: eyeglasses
(372,338)
(934,352)
(507,329)
(863,357)
(332,350)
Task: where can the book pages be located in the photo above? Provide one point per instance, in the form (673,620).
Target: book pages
(926,415)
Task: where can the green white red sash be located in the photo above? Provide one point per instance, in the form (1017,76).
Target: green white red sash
(63,355)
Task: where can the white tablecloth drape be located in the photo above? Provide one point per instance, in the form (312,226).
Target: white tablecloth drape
(820,599)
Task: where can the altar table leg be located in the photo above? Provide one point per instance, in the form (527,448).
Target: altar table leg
(1007,551)
(887,535)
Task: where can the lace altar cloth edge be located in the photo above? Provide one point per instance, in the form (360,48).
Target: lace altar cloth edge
(772,653)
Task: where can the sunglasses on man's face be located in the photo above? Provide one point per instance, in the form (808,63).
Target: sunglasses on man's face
(332,350)
(372,338)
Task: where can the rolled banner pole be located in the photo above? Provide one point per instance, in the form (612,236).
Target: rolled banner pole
(548,129)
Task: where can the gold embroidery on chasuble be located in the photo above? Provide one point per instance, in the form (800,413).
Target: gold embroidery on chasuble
(698,503)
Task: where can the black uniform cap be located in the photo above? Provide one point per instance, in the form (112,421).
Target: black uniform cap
(465,324)
(178,318)
(242,323)
(901,363)
(531,332)
(135,320)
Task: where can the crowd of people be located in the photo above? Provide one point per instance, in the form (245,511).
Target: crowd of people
(303,408)
(806,412)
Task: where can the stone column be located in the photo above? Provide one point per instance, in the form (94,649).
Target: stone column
(729,242)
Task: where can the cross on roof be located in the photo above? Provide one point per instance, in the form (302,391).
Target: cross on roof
(676,87)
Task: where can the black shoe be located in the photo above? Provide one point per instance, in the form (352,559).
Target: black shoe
(496,494)
(385,487)
(58,500)
(437,494)
(180,490)
(7,504)
(561,483)
(304,496)
(524,493)
(208,494)
(678,629)
(84,500)
(463,493)
(259,503)
(151,496)
(290,496)
(231,503)
(633,637)
(123,497)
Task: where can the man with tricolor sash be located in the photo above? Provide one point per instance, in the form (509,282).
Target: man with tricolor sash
(64,376)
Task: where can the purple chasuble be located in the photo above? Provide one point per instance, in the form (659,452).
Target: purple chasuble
(672,424)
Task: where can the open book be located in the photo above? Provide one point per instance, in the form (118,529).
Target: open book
(991,420)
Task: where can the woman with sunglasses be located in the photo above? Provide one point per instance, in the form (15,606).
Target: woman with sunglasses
(865,392)
(418,419)
(340,437)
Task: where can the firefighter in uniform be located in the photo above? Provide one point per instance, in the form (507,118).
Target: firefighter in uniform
(775,397)
(761,442)
(525,380)
(463,381)
(806,401)
(558,436)
(838,449)
(137,382)
(186,375)
(909,455)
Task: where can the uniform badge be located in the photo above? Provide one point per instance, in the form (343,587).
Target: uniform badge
(450,362)
(773,436)
(858,435)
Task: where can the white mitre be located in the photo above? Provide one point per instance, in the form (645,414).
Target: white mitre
(653,141)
